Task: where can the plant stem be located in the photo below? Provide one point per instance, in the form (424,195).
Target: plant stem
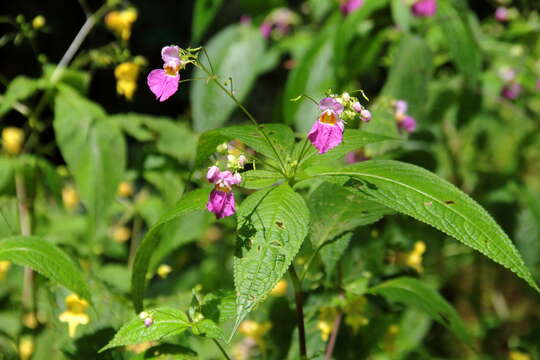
(333,337)
(222,349)
(26,226)
(135,239)
(214,78)
(299,311)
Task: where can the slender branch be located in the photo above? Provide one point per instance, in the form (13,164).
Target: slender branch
(222,349)
(333,337)
(26,226)
(299,311)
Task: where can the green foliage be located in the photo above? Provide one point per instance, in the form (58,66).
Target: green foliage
(165,322)
(416,294)
(203,14)
(272,225)
(232,52)
(19,89)
(45,258)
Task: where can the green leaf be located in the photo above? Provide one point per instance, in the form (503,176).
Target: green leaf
(166,322)
(401,13)
(75,79)
(313,76)
(421,194)
(94,149)
(189,204)
(410,74)
(528,227)
(232,52)
(203,14)
(207,144)
(280,135)
(18,89)
(460,38)
(46,259)
(219,307)
(258,179)
(272,225)
(207,328)
(413,292)
(167,352)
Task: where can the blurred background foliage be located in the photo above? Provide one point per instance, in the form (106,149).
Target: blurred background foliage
(98,169)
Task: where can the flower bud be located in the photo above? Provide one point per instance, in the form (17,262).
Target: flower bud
(148,322)
(121,234)
(38,22)
(164,270)
(365,115)
(70,198)
(357,107)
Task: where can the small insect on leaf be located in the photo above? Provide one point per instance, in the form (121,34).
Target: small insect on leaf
(449,202)
(280,224)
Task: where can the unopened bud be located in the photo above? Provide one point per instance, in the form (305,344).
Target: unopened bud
(12,139)
(38,22)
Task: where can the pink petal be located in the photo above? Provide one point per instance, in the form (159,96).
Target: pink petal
(424,8)
(162,85)
(266,30)
(329,103)
(171,55)
(213,174)
(221,203)
(326,136)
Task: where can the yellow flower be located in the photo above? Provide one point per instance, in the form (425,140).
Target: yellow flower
(140,348)
(280,289)
(26,348)
(164,270)
(75,314)
(255,331)
(121,234)
(121,21)
(30,320)
(125,189)
(354,313)
(38,22)
(518,355)
(126,79)
(4,267)
(12,140)
(413,259)
(327,316)
(70,198)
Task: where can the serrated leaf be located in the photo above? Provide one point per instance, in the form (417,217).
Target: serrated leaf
(166,322)
(46,259)
(190,203)
(94,149)
(233,52)
(259,179)
(413,292)
(19,89)
(421,194)
(219,307)
(272,225)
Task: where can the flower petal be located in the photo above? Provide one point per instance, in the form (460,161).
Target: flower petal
(221,203)
(326,136)
(171,54)
(162,85)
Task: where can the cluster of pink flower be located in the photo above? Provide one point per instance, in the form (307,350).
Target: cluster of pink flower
(221,200)
(327,132)
(404,121)
(511,88)
(279,23)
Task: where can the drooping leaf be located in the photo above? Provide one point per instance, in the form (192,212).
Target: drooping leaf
(313,75)
(166,322)
(93,147)
(233,52)
(272,225)
(421,194)
(18,89)
(203,14)
(259,179)
(413,292)
(190,203)
(46,259)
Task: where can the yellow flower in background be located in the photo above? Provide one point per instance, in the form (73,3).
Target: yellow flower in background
(327,316)
(75,314)
(142,347)
(518,355)
(30,320)
(121,234)
(280,289)
(120,22)
(70,198)
(12,140)
(125,189)
(4,267)
(413,259)
(126,79)
(255,331)
(38,22)
(164,270)
(26,348)
(354,313)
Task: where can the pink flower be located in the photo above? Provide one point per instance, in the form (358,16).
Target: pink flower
(221,200)
(327,132)
(424,8)
(349,6)
(266,30)
(407,123)
(245,19)
(501,14)
(511,91)
(355,156)
(507,74)
(400,107)
(538,84)
(164,82)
